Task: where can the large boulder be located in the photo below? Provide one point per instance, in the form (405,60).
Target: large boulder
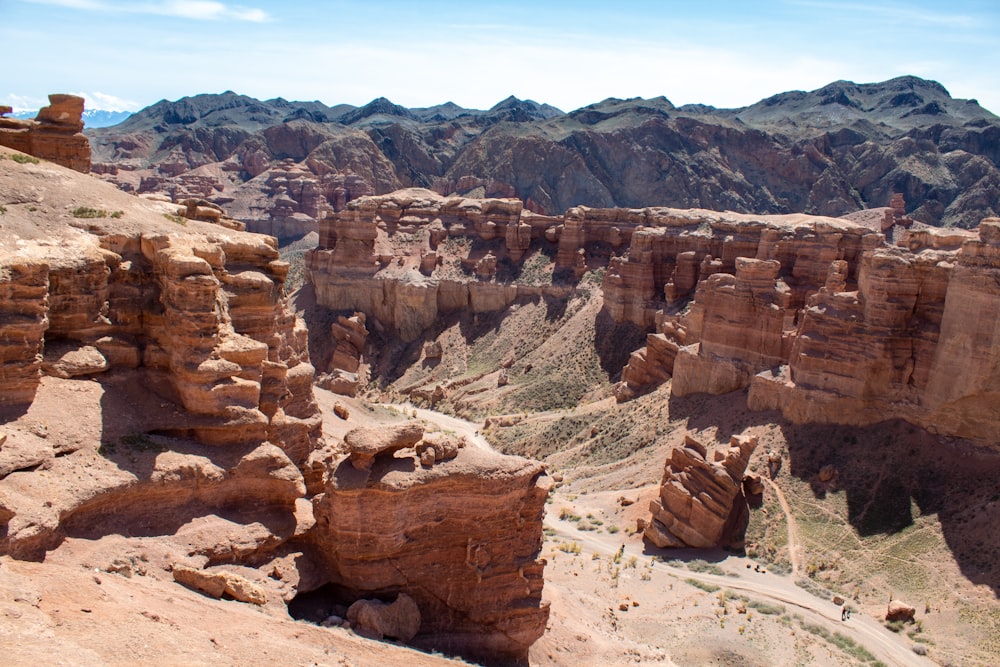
(364,444)
(376,619)
(701,502)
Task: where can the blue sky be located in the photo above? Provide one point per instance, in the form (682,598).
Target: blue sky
(126,55)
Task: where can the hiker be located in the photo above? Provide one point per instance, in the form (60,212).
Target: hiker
(843,614)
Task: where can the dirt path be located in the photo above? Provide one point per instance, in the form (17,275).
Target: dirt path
(865,631)
(793,533)
(868,632)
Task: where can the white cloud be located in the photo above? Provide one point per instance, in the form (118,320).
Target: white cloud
(23,102)
(106,102)
(94,100)
(199,10)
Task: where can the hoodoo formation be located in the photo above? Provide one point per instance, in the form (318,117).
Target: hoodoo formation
(55,134)
(819,317)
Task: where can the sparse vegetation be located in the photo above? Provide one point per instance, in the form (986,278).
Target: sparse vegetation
(570,548)
(21,158)
(703,585)
(699,565)
(179,219)
(566,515)
(767,608)
(88,212)
(844,643)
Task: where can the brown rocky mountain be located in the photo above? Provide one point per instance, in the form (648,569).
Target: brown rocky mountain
(281,166)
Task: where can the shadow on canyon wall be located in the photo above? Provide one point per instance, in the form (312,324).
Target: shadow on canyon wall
(891,472)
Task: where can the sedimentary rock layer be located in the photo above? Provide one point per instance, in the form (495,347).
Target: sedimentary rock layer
(701,502)
(55,134)
(466,548)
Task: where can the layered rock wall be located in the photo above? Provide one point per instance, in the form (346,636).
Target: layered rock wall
(203,317)
(55,134)
(701,502)
(916,341)
(466,549)
(731,300)
(404,259)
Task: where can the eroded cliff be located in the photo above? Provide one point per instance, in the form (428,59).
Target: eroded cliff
(820,317)
(159,420)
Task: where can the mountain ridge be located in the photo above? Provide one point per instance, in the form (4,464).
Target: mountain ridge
(831,151)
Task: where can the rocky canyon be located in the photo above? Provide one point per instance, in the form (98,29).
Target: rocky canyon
(283,383)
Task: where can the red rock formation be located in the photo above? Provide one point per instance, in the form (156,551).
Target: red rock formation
(347,369)
(915,341)
(701,501)
(207,411)
(370,257)
(465,550)
(816,303)
(55,134)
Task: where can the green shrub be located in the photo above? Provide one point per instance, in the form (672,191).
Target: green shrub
(20,158)
(87,212)
(705,586)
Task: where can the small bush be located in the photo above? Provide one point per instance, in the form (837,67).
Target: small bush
(698,565)
(705,586)
(3,209)
(179,219)
(767,608)
(87,212)
(570,548)
(24,159)
(566,515)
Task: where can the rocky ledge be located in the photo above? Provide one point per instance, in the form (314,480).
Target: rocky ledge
(465,549)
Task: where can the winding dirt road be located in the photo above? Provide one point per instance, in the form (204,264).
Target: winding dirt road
(885,645)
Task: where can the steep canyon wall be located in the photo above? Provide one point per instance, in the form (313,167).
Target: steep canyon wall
(819,317)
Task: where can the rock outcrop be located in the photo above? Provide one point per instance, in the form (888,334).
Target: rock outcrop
(465,550)
(701,502)
(193,315)
(56,133)
(365,444)
(154,382)
(347,370)
(915,341)
(370,258)
(399,619)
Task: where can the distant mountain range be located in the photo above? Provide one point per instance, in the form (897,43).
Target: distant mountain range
(830,151)
(92,118)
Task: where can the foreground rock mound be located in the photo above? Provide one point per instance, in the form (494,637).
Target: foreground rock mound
(701,502)
(194,316)
(465,550)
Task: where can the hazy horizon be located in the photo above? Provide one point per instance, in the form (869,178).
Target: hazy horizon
(727,54)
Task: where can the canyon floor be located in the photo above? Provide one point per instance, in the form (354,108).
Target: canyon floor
(614,600)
